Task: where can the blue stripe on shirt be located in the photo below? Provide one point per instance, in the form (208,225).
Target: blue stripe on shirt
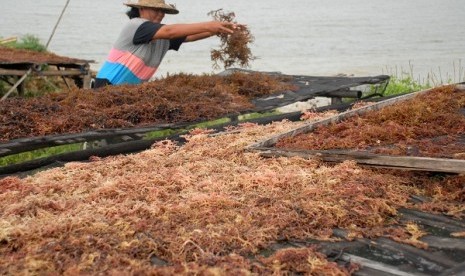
(117,73)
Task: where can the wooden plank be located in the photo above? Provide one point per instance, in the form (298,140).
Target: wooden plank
(8,40)
(384,161)
(13,72)
(377,265)
(67,64)
(61,73)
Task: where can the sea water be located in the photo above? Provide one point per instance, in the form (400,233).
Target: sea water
(424,38)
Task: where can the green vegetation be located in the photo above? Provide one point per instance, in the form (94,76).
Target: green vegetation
(40,153)
(402,85)
(162,133)
(212,123)
(168,132)
(28,42)
(257,115)
(406,82)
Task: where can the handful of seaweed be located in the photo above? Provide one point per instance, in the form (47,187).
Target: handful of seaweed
(234,48)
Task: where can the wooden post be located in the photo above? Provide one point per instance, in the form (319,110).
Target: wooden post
(86,80)
(20,89)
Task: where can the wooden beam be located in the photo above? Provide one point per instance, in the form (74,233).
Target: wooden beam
(8,40)
(14,72)
(60,73)
(380,161)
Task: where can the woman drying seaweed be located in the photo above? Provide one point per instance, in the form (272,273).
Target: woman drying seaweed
(144,41)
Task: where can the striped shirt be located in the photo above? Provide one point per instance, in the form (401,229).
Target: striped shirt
(135,57)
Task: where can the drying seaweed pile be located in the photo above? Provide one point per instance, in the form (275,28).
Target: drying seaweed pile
(206,207)
(431,124)
(234,48)
(11,55)
(177,98)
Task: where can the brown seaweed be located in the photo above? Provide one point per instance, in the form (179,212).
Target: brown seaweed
(173,99)
(429,125)
(234,49)
(204,207)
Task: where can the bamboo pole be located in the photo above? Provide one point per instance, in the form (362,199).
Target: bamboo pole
(56,25)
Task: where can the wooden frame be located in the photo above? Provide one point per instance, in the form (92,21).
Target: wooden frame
(79,71)
(267,149)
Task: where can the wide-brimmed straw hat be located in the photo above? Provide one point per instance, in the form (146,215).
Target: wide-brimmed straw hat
(158,4)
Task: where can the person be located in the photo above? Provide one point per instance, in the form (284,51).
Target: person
(144,41)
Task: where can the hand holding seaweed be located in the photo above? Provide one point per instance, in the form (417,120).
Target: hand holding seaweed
(234,48)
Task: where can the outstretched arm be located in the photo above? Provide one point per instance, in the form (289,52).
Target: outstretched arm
(194,31)
(200,36)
